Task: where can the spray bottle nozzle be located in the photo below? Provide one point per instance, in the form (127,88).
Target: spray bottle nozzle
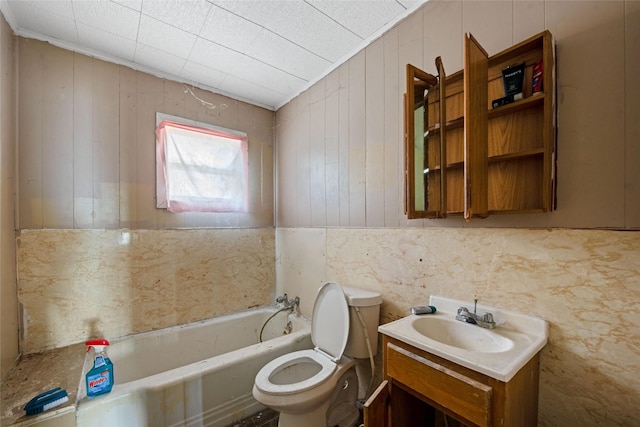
(98,344)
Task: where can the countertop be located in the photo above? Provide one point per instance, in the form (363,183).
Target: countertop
(36,373)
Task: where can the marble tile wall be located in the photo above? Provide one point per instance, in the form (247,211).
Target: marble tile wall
(585,283)
(76,284)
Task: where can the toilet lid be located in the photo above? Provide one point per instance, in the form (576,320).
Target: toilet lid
(330,321)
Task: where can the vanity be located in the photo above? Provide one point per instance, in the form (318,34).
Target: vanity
(440,371)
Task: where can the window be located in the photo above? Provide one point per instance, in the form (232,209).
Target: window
(200,169)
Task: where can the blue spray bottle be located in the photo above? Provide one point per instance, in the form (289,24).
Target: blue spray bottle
(100,377)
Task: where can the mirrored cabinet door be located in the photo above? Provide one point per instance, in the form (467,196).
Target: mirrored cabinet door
(423,175)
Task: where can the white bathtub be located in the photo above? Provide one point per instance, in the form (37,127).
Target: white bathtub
(199,374)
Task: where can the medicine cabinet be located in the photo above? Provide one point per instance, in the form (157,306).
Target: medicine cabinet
(464,157)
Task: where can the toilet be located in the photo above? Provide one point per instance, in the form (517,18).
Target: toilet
(319,387)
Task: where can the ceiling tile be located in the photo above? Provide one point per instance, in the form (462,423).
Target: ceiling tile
(39,20)
(286,56)
(251,91)
(228,61)
(230,30)
(213,55)
(165,37)
(108,16)
(361,17)
(106,43)
(197,73)
(131,4)
(158,59)
(186,15)
(264,51)
(299,22)
(265,75)
(55,7)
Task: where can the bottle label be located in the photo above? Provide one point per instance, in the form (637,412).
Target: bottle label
(98,382)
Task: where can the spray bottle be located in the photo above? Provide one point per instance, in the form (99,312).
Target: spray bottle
(100,377)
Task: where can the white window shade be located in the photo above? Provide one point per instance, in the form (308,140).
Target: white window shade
(200,169)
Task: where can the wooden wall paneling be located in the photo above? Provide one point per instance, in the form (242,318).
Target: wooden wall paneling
(528,19)
(106,139)
(30,134)
(302,177)
(286,165)
(393,162)
(174,98)
(220,110)
(410,51)
(442,27)
(317,154)
(343,144)
(482,18)
(174,104)
(587,126)
(332,148)
(128,160)
(374,133)
(9,347)
(149,100)
(261,174)
(357,141)
(57,138)
(411,43)
(83,210)
(256,172)
(264,204)
(632,115)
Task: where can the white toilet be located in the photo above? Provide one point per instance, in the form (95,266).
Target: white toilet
(319,387)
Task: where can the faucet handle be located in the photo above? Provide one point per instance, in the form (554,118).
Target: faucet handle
(487,317)
(283,299)
(463,311)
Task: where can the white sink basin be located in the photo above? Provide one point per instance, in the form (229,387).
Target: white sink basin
(498,353)
(454,333)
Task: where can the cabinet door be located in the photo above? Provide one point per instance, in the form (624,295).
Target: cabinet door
(376,408)
(442,138)
(464,397)
(422,181)
(476,137)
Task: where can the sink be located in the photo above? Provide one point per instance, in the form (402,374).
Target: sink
(499,353)
(454,333)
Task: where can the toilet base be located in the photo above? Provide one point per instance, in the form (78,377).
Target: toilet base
(315,418)
(338,411)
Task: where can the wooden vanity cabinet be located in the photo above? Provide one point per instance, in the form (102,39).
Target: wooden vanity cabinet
(490,160)
(420,389)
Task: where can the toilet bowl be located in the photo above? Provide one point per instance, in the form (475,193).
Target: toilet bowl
(298,382)
(311,388)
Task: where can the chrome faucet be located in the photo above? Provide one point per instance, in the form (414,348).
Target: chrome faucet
(288,303)
(484,321)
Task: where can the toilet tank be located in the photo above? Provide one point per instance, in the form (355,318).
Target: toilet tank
(368,303)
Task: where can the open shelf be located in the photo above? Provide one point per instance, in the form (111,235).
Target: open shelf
(497,160)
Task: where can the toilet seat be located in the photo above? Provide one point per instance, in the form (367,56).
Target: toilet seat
(330,321)
(329,334)
(263,378)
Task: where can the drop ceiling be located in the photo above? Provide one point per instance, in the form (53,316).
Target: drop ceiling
(264,52)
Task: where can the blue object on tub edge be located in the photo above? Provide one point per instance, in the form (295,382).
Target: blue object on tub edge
(47,400)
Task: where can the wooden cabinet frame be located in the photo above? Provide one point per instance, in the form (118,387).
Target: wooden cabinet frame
(483,160)
(418,386)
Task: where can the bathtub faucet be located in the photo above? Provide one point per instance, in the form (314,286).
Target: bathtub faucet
(289,303)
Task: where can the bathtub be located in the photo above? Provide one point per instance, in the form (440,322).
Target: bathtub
(200,374)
